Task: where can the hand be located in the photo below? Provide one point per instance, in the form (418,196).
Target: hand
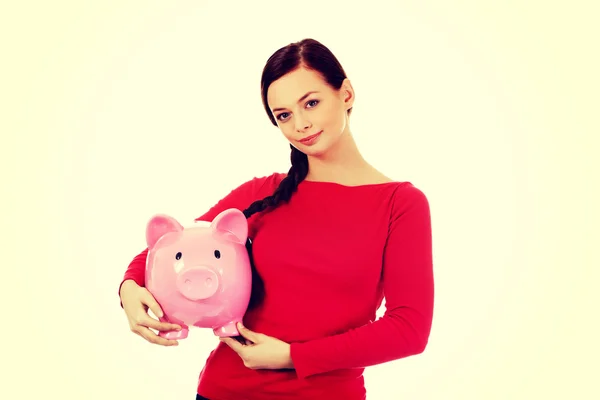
(136,301)
(260,351)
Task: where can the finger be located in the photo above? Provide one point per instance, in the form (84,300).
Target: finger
(234,344)
(152,304)
(148,321)
(154,338)
(248,334)
(243,340)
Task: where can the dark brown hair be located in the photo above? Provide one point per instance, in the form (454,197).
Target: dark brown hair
(312,55)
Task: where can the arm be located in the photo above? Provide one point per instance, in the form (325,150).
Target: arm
(240,198)
(409,291)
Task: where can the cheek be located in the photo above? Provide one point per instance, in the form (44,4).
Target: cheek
(287,130)
(333,119)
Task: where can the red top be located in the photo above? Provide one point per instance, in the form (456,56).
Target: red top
(327,258)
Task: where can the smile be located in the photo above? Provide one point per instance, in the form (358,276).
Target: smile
(311,138)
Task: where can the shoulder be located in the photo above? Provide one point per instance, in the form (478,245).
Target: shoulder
(244,194)
(264,185)
(259,186)
(408,198)
(273,180)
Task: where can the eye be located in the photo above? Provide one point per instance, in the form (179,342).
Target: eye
(217,254)
(178,256)
(313,101)
(280,115)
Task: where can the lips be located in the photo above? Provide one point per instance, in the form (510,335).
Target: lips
(309,138)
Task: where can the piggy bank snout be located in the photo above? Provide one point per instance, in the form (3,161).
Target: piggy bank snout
(197,283)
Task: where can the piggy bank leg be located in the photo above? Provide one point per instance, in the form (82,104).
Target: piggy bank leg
(228,330)
(175,335)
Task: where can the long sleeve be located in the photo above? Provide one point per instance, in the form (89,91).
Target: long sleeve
(408,287)
(240,198)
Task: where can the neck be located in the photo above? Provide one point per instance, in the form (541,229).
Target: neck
(342,163)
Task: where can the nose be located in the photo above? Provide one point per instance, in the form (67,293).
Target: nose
(197,283)
(301,123)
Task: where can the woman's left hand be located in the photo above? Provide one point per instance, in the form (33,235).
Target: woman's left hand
(260,351)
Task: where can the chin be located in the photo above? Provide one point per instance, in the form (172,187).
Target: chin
(315,151)
(324,146)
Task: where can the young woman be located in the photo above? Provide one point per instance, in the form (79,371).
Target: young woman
(329,239)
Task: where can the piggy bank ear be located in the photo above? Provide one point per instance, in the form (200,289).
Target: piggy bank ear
(233,222)
(158,226)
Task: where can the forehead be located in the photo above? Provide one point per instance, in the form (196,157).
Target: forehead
(289,88)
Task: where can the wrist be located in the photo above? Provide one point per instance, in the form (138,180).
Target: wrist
(289,362)
(126,285)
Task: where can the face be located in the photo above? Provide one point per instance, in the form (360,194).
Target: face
(311,115)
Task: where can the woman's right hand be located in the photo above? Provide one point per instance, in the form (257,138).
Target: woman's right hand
(136,301)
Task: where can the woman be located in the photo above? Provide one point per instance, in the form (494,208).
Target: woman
(328,240)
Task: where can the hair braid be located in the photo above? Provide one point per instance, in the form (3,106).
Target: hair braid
(286,188)
(283,193)
(314,55)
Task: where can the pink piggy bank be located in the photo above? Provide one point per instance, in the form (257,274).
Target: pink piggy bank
(201,275)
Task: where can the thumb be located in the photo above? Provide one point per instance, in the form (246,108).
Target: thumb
(152,304)
(248,334)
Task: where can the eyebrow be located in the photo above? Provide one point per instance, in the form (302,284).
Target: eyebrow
(299,100)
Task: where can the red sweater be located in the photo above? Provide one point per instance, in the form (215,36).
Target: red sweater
(327,258)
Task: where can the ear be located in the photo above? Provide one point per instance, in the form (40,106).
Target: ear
(347,92)
(233,222)
(158,226)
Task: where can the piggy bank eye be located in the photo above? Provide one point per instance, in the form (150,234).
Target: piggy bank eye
(178,256)
(217,254)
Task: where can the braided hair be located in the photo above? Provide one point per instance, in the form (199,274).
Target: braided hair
(286,188)
(313,55)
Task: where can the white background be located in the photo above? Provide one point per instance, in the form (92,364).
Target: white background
(115,111)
